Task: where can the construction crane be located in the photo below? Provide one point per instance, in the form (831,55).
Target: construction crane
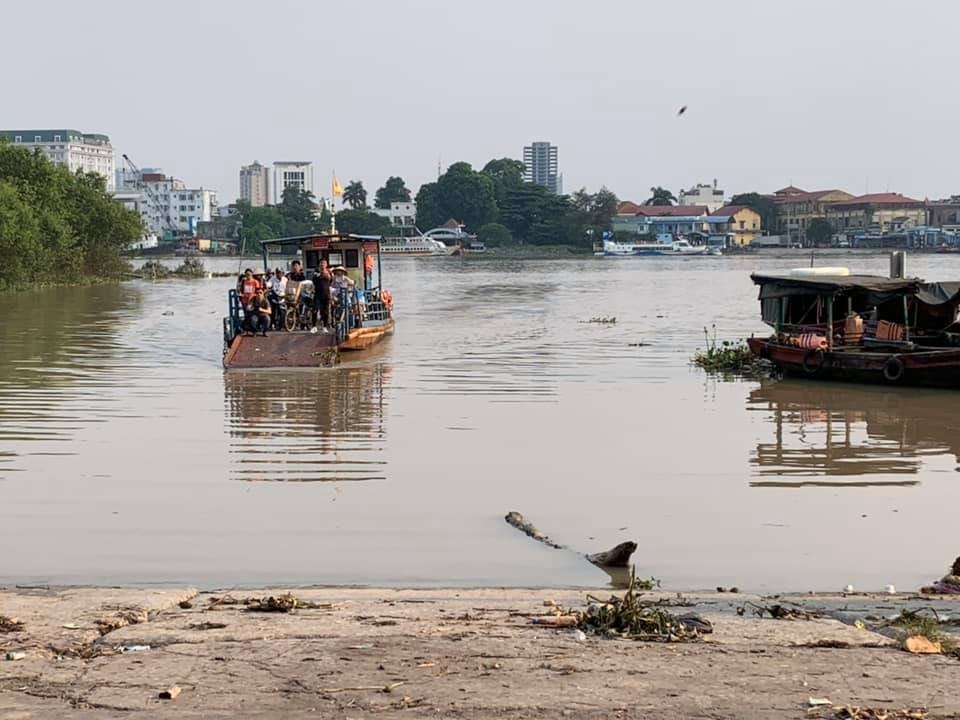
(168,223)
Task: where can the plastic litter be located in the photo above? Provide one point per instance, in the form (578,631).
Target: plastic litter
(16,655)
(133,648)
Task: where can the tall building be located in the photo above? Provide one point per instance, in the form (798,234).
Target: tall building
(166,204)
(540,166)
(78,151)
(255,184)
(294,173)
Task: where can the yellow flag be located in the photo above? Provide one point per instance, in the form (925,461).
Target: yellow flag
(337,187)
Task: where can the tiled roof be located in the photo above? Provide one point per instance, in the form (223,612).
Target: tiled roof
(788,190)
(805,196)
(880,199)
(664,210)
(730,210)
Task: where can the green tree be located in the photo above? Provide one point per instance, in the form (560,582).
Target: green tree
(535,215)
(819,231)
(505,173)
(299,211)
(355,195)
(393,190)
(660,196)
(764,205)
(363,222)
(51,218)
(494,235)
(460,193)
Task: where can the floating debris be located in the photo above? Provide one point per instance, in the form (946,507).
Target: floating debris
(207,626)
(777,611)
(16,655)
(600,321)
(8,624)
(852,712)
(279,604)
(729,357)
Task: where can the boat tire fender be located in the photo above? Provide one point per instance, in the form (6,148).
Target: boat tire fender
(893,370)
(813,362)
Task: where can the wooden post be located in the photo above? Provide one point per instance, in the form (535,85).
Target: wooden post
(830,322)
(906,320)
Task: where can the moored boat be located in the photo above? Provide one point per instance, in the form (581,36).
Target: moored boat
(359,313)
(861,328)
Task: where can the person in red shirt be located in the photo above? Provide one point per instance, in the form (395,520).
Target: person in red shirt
(248,287)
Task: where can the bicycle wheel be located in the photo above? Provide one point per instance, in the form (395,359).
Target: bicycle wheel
(290,319)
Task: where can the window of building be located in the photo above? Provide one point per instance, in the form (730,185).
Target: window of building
(37,138)
(56,138)
(18,138)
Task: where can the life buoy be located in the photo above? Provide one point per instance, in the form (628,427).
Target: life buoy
(813,362)
(893,370)
(387,297)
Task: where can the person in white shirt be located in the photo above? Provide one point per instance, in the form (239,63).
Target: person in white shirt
(278,289)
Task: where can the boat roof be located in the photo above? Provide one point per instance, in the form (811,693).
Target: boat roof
(333,237)
(877,288)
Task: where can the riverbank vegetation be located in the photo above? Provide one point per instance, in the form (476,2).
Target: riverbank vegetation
(58,224)
(504,210)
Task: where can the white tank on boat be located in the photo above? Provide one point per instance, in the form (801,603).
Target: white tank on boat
(815,271)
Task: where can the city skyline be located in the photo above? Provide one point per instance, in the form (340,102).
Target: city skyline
(774,97)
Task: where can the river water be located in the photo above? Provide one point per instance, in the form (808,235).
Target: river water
(128,456)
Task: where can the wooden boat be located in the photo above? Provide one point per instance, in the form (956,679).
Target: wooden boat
(360,316)
(861,328)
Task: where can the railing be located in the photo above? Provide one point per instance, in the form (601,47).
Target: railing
(233,323)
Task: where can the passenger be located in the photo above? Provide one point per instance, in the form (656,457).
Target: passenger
(341,281)
(296,272)
(278,290)
(258,313)
(248,286)
(321,295)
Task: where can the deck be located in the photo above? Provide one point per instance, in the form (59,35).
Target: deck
(280,349)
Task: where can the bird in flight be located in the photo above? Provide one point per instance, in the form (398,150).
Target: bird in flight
(682,111)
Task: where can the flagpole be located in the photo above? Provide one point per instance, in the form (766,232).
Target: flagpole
(333,204)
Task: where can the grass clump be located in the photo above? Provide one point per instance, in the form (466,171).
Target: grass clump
(728,357)
(925,622)
(630,616)
(191,267)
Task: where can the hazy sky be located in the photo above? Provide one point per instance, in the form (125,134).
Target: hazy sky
(859,94)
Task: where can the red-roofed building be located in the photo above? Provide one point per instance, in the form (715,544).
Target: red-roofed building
(880,213)
(799,207)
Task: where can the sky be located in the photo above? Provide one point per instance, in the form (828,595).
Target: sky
(858,95)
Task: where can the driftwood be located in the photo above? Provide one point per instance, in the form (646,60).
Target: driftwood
(616,557)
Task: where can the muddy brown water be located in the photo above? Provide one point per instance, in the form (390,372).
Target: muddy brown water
(127,455)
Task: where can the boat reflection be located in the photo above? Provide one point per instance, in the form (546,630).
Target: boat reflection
(849,434)
(307,425)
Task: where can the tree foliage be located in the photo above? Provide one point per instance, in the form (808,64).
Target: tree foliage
(460,193)
(393,190)
(55,220)
(764,205)
(660,196)
(355,195)
(494,235)
(363,222)
(819,231)
(506,173)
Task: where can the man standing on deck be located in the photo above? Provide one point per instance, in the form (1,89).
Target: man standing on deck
(278,289)
(248,287)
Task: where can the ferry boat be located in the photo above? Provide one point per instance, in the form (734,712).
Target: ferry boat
(358,317)
(419,245)
(831,325)
(612,248)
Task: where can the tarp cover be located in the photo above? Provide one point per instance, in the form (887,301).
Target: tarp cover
(939,293)
(874,289)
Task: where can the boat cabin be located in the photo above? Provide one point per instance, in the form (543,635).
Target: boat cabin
(837,311)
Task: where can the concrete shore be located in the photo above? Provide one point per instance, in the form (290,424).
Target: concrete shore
(454,653)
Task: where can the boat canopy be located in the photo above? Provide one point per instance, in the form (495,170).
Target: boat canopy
(874,289)
(939,293)
(289,245)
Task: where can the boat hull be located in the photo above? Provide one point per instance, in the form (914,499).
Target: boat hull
(365,337)
(925,368)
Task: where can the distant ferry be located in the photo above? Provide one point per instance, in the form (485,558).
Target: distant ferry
(421,245)
(612,248)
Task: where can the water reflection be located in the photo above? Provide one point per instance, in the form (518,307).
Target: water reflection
(307,425)
(57,355)
(846,432)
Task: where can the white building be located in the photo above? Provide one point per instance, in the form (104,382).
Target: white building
(78,151)
(255,184)
(298,174)
(540,165)
(166,204)
(700,194)
(400,214)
